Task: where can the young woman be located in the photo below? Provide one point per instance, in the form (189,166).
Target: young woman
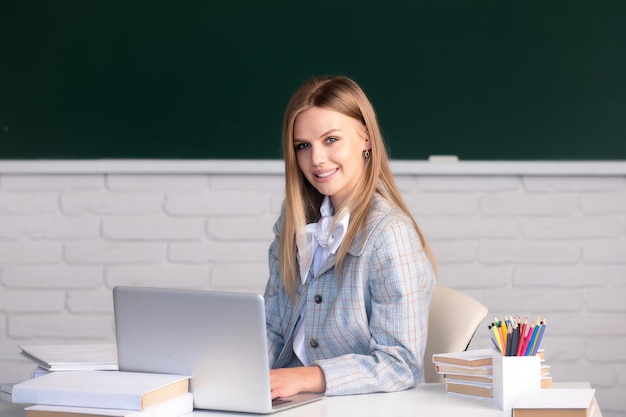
(351,276)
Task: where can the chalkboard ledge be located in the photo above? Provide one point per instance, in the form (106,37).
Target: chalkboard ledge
(275,167)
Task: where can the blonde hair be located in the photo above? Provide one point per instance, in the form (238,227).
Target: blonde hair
(302,200)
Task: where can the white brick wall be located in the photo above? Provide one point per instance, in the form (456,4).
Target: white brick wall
(530,244)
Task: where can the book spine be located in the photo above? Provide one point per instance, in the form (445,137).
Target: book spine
(173,408)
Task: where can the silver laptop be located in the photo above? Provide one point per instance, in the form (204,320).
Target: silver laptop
(219,338)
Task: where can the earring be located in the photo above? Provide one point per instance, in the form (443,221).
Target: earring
(366,153)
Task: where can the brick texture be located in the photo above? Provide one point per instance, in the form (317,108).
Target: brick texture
(553,246)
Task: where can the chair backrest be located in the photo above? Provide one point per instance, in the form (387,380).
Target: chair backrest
(453,320)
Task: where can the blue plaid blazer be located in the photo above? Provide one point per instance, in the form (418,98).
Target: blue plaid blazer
(367,331)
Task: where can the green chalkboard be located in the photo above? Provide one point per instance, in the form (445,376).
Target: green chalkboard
(203,79)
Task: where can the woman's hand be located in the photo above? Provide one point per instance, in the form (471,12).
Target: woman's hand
(290,381)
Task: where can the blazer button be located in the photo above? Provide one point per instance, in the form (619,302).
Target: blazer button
(314,344)
(318,298)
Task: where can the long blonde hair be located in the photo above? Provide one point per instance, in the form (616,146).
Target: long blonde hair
(302,200)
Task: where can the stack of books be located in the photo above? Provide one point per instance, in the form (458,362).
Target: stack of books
(467,373)
(105,393)
(84,380)
(72,357)
(470,373)
(546,377)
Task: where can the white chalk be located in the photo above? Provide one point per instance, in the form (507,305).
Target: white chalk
(443,158)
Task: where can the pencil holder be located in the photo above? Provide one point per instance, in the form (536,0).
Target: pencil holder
(511,375)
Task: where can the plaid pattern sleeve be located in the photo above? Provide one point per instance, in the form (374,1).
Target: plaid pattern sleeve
(277,303)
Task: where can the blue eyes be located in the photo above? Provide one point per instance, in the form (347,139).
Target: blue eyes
(305,145)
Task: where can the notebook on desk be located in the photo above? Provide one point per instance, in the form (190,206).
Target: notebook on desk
(219,338)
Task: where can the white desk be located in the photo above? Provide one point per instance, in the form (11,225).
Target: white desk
(425,400)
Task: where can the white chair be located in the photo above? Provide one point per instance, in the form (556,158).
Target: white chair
(453,320)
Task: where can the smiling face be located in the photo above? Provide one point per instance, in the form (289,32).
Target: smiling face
(329,149)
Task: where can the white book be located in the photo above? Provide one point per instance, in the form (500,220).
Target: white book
(175,407)
(472,358)
(73,357)
(451,380)
(101,389)
(575,402)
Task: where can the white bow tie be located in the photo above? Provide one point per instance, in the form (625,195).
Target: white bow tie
(320,235)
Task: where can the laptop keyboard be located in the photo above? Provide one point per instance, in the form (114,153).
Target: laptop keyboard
(278,401)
